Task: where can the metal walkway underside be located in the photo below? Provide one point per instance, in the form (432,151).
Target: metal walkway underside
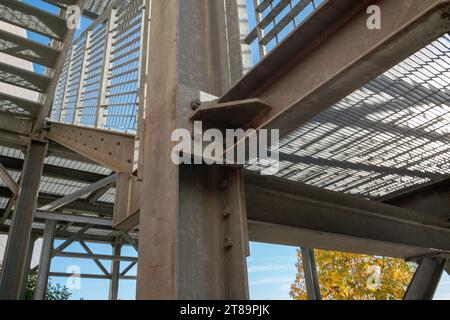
(360,138)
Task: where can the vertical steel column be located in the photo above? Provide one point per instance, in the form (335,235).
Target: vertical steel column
(426,279)
(193,240)
(115,273)
(14,265)
(45,260)
(311,279)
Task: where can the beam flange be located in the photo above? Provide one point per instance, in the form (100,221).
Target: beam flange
(231,115)
(313,217)
(72,218)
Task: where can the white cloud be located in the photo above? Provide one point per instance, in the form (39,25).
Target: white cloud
(273,280)
(270,267)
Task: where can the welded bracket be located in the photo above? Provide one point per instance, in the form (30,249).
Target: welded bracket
(239,114)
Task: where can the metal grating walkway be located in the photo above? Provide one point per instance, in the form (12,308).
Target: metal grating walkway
(390,136)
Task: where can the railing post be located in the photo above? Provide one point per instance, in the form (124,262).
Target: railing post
(262,49)
(63,110)
(78,108)
(104,78)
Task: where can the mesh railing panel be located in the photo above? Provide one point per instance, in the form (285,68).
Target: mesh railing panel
(100,81)
(273,20)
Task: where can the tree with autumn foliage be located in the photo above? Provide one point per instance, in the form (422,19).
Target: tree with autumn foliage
(346,276)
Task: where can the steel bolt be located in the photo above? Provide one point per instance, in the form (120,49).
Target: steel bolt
(226,212)
(229,243)
(224,184)
(195,104)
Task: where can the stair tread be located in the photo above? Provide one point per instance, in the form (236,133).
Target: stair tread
(27,49)
(23,78)
(19,106)
(33,19)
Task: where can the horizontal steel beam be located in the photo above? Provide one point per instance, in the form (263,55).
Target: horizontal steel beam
(78,194)
(434,199)
(80,205)
(94,256)
(16,164)
(64,235)
(113,150)
(293,214)
(72,218)
(87,276)
(333,53)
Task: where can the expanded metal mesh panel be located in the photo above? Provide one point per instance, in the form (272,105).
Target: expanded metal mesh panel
(125,69)
(77,165)
(387,137)
(101,86)
(274,20)
(10,152)
(59,102)
(110,196)
(97,7)
(3,203)
(92,78)
(60,186)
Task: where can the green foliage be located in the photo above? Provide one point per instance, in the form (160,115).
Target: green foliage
(54,292)
(346,276)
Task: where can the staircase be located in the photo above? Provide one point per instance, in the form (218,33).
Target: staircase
(18,114)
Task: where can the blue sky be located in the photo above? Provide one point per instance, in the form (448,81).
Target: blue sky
(271,268)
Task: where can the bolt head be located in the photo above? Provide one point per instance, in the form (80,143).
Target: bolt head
(229,243)
(195,104)
(226,212)
(224,184)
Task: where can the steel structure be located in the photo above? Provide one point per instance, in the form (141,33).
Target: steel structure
(363,117)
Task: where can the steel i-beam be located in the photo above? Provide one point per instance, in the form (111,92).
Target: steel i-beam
(193,242)
(426,279)
(14,265)
(311,278)
(45,260)
(115,273)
